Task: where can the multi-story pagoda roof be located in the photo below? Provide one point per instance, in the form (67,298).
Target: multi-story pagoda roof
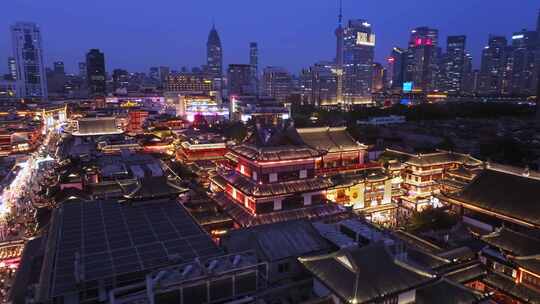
(250,187)
(431,159)
(330,139)
(246,219)
(276,143)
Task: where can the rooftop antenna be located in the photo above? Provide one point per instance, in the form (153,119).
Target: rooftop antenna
(340,16)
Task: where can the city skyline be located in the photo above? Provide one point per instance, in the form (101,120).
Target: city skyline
(303,42)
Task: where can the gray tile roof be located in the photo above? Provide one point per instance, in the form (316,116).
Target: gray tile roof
(365,274)
(278,241)
(509,194)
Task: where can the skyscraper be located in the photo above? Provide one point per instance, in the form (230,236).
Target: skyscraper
(214,56)
(58,67)
(524,59)
(96,77)
(422,60)
(358,52)
(318,84)
(240,79)
(396,69)
(12,68)
(379,74)
(28,52)
(469,81)
(339,56)
(254,63)
(56,79)
(277,83)
(454,64)
(493,66)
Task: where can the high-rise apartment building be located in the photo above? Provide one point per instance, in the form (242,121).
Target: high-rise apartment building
(28,53)
(96,75)
(358,53)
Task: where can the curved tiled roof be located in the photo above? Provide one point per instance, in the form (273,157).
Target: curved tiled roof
(436,158)
(512,195)
(361,275)
(329,139)
(249,187)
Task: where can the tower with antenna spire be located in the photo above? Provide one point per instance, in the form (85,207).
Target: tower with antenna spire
(339,56)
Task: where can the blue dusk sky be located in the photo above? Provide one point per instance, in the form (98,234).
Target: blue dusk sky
(139,34)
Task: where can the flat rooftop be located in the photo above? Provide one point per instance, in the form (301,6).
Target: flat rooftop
(104,241)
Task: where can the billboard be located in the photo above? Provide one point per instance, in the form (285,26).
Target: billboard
(407,87)
(365,39)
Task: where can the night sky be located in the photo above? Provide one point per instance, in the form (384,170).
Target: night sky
(138,34)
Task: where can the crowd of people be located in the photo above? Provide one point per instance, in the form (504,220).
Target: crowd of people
(18,220)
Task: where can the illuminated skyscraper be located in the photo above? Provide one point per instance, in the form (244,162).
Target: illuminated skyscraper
(493,67)
(421,66)
(254,63)
(28,53)
(96,77)
(277,83)
(396,69)
(12,68)
(454,64)
(524,59)
(214,57)
(358,52)
(318,84)
(379,75)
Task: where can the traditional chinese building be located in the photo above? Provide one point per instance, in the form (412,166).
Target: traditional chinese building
(273,177)
(422,174)
(499,195)
(514,268)
(196,146)
(343,153)
(376,274)
(136,120)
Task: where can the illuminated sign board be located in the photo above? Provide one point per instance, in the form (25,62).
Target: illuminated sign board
(515,37)
(407,87)
(365,39)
